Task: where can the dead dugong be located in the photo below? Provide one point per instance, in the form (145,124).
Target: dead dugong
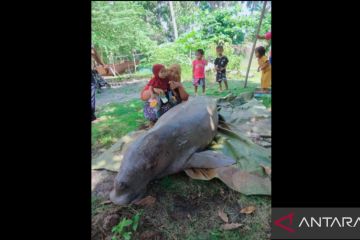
(176,142)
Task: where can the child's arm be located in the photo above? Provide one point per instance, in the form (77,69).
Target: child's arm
(158,91)
(152,96)
(264,65)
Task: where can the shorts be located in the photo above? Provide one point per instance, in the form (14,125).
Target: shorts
(270,59)
(199,81)
(220,77)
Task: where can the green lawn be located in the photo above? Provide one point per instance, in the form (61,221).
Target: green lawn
(114,121)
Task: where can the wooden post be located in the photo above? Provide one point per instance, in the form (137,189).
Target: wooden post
(253,47)
(134,61)
(113,58)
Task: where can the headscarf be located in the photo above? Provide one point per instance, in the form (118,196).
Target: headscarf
(156,81)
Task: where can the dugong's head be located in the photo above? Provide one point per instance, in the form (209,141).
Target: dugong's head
(139,166)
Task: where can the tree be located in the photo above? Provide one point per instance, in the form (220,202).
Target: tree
(173,19)
(120,27)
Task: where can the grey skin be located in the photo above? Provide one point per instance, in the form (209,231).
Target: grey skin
(176,142)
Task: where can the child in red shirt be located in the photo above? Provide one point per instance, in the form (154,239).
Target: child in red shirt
(199,70)
(154,94)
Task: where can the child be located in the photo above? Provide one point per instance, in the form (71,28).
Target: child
(267,36)
(220,67)
(158,84)
(265,68)
(154,94)
(199,71)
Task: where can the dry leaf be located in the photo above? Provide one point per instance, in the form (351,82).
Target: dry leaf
(230,226)
(147,201)
(267,170)
(248,210)
(223,215)
(105,202)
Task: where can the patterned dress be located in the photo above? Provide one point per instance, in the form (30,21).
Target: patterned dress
(153,114)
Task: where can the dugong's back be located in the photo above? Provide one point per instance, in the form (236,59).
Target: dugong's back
(195,111)
(189,127)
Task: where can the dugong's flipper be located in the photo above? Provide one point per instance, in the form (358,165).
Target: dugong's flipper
(236,179)
(209,159)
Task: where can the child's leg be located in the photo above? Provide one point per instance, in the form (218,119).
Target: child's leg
(226,85)
(220,87)
(196,87)
(203,86)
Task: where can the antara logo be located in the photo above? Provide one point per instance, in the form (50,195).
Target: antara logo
(311,222)
(280,220)
(329,222)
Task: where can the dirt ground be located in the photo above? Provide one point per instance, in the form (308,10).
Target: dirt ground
(121,93)
(183,209)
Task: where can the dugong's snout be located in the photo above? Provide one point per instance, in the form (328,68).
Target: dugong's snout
(122,195)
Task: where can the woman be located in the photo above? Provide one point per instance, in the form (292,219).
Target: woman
(95,58)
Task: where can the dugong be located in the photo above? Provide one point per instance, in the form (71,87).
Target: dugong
(177,142)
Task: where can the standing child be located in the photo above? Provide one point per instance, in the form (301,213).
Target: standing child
(220,66)
(199,70)
(265,68)
(267,36)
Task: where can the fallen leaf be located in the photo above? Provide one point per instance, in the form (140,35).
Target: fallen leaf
(267,170)
(248,210)
(147,201)
(230,226)
(105,202)
(223,215)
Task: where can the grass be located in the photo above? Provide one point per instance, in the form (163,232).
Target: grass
(266,100)
(114,121)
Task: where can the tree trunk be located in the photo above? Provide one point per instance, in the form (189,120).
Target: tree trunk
(253,47)
(173,19)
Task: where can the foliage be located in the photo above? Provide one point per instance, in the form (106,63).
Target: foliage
(120,27)
(126,227)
